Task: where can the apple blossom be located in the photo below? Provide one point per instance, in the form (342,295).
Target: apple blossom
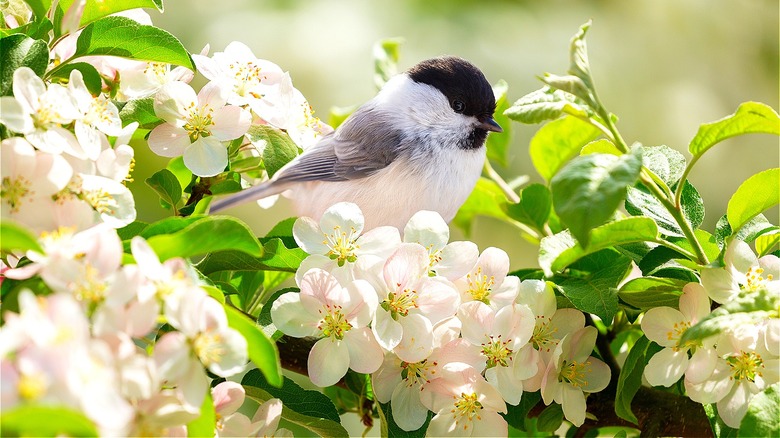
(30,179)
(450,260)
(99,117)
(144,79)
(339,317)
(464,404)
(572,372)
(488,282)
(228,397)
(502,339)
(196,125)
(266,420)
(665,326)
(410,302)
(39,112)
(336,242)
(743,272)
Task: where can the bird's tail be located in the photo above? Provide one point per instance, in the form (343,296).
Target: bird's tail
(254,193)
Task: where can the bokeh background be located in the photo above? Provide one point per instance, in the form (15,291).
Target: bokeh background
(662,66)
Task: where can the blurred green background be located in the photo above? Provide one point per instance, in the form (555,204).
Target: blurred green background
(663,67)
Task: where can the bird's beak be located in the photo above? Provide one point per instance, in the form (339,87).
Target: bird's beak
(488,124)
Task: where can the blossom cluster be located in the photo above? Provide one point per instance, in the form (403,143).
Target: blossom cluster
(128,345)
(742,360)
(439,326)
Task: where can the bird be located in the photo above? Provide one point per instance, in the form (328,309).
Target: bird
(419,144)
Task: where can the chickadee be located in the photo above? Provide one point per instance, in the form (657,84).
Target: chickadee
(419,144)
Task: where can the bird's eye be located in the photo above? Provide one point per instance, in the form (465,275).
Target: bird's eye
(458,106)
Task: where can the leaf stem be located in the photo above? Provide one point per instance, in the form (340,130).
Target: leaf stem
(677,248)
(508,192)
(683,178)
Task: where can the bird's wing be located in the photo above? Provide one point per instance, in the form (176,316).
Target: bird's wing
(361,147)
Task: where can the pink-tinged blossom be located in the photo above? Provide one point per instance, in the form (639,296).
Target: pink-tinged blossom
(99,117)
(665,326)
(196,125)
(464,404)
(30,179)
(742,369)
(572,372)
(502,339)
(339,317)
(488,282)
(410,302)
(38,112)
(450,260)
(337,241)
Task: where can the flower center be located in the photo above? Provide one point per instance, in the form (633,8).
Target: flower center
(400,302)
(677,331)
(208,347)
(497,352)
(89,287)
(199,120)
(247,76)
(756,280)
(342,245)
(14,190)
(46,115)
(574,373)
(333,323)
(100,200)
(31,386)
(157,70)
(466,408)
(480,285)
(746,365)
(418,373)
(543,337)
(98,112)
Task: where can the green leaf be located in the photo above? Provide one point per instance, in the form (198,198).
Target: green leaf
(205,235)
(262,350)
(276,257)
(21,51)
(639,202)
(120,36)
(591,282)
(16,237)
(628,230)
(38,29)
(141,111)
(307,408)
(168,226)
(485,200)
(747,233)
(544,104)
(498,143)
(758,193)
(205,425)
(179,170)
(278,149)
(750,118)
(91,76)
(557,142)
(665,162)
(516,415)
(748,308)
(765,243)
(630,379)
(28,420)
(588,190)
(166,185)
(386,54)
(763,414)
(601,146)
(648,292)
(550,419)
(534,207)
(131,230)
(95,10)
(579,65)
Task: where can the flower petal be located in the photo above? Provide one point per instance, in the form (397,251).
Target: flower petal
(457,259)
(659,325)
(365,354)
(173,102)
(666,367)
(694,302)
(329,360)
(417,341)
(408,412)
(168,140)
(428,229)
(206,157)
(289,316)
(573,405)
(230,122)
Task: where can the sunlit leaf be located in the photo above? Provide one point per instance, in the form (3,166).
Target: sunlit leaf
(750,118)
(758,193)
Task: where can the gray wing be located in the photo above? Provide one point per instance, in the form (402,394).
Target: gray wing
(363,145)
